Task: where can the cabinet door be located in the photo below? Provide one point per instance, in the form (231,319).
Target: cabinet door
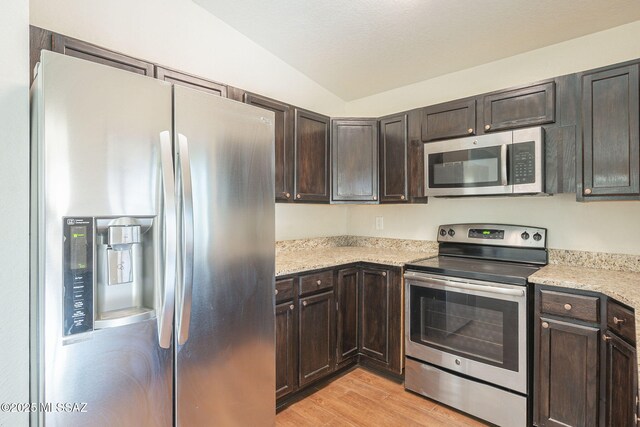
(566,374)
(311,164)
(286,361)
(394,156)
(380,323)
(316,335)
(354,151)
(621,378)
(449,120)
(193,82)
(283,143)
(528,106)
(79,49)
(609,150)
(347,314)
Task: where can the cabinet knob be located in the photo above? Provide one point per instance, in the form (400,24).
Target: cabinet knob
(618,321)
(606,338)
(567,307)
(319,282)
(470,130)
(291,307)
(287,195)
(375,197)
(304,303)
(298,196)
(545,325)
(402,197)
(384,274)
(587,191)
(276,292)
(487,127)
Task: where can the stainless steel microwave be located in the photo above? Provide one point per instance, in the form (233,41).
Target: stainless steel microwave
(496,164)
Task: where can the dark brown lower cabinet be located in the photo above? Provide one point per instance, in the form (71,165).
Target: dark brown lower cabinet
(286,360)
(381,312)
(316,348)
(347,315)
(621,380)
(566,366)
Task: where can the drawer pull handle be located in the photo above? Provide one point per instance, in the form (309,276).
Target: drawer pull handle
(319,282)
(304,303)
(291,307)
(545,325)
(567,307)
(276,292)
(618,321)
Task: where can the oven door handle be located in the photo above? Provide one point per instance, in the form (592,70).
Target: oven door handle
(467,286)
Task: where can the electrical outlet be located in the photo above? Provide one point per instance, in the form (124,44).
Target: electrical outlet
(379,223)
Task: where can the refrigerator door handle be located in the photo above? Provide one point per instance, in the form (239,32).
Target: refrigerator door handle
(165,313)
(186,279)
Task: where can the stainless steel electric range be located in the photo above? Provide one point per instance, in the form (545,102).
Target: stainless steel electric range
(467,315)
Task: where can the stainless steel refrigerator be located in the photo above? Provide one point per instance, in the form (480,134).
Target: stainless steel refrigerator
(152,252)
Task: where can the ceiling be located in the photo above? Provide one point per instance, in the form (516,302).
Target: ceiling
(356,48)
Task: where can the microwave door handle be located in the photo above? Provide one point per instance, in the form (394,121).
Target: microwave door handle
(184,306)
(468,286)
(165,311)
(503,164)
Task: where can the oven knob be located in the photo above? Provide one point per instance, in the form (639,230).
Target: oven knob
(451,232)
(525,236)
(443,232)
(458,362)
(537,237)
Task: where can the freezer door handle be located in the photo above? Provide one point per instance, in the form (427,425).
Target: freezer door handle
(186,278)
(165,312)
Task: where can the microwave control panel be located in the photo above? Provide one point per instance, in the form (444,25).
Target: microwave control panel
(524,162)
(78,275)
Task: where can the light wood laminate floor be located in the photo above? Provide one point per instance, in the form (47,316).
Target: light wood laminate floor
(361,398)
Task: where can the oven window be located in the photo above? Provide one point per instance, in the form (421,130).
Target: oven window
(478,167)
(475,327)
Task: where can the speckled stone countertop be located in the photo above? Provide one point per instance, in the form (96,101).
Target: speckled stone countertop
(295,256)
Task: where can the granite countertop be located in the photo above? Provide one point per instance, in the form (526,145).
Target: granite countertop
(296,261)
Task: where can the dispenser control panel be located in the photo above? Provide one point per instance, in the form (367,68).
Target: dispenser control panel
(78,275)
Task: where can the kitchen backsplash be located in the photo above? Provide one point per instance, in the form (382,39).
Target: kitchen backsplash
(599,260)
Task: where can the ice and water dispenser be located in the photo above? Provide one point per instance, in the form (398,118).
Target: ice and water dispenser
(110,272)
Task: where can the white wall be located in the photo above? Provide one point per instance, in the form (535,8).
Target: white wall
(180,34)
(302,221)
(14,208)
(599,227)
(598,49)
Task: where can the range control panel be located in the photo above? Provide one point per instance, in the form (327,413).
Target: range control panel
(494,234)
(78,275)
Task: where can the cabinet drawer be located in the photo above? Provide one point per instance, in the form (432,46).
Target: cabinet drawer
(621,321)
(316,282)
(284,290)
(575,306)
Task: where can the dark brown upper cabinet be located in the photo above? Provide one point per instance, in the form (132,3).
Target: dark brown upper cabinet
(311,158)
(79,49)
(394,159)
(449,120)
(527,106)
(608,151)
(354,151)
(193,82)
(283,143)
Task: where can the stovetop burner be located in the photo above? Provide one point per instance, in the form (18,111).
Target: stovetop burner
(491,252)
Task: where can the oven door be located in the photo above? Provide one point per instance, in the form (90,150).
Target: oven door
(468,166)
(476,328)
